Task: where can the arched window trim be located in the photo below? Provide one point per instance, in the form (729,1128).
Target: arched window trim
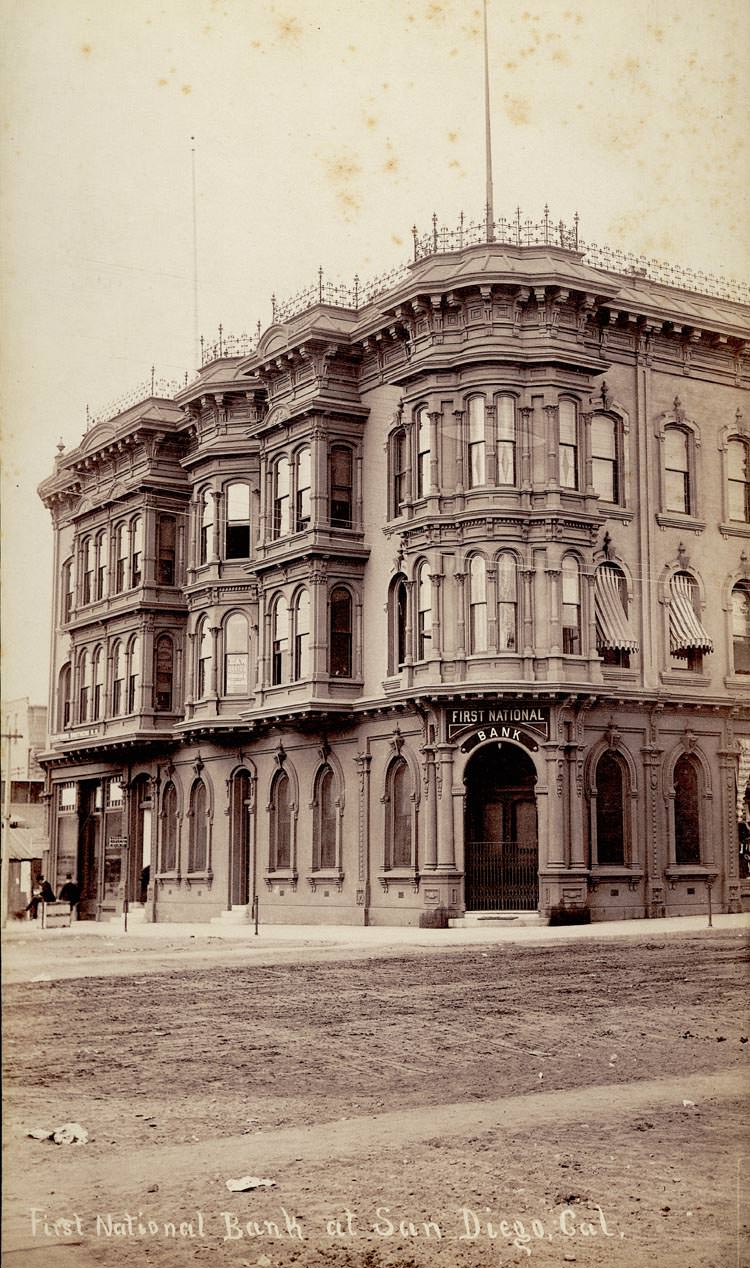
(569,446)
(392,871)
(279,665)
(87,555)
(423,624)
(568,644)
(232,673)
(422,431)
(119,661)
(399,498)
(67,590)
(64,692)
(691,749)
(519,612)
(98,682)
(163,701)
(134,674)
(121,555)
(101,553)
(341,643)
(204,872)
(237,536)
(301,488)
(476,443)
(300,653)
(341,495)
(502,442)
(205,514)
(630,807)
(665,516)
(173,871)
(287,872)
(398,625)
(319,867)
(477,607)
(203,642)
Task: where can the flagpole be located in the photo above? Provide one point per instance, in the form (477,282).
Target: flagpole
(489,201)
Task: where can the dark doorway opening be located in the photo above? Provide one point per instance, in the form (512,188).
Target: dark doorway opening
(500,831)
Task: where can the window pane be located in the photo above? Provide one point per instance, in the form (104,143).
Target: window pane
(506,418)
(675,484)
(603,437)
(686,813)
(568,423)
(198,838)
(326,822)
(340,617)
(238,502)
(610,842)
(603,474)
(676,449)
(476,419)
(280,826)
(401,816)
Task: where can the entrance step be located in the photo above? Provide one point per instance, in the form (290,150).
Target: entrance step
(237,916)
(136,915)
(476,919)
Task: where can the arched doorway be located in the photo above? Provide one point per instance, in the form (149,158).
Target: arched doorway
(500,831)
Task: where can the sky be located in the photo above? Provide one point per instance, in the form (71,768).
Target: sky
(323,131)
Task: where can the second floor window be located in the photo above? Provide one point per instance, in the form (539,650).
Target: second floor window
(477,604)
(507,603)
(677,491)
(121,558)
(279,641)
(568,445)
(118,679)
(571,606)
(741,629)
(67,590)
(301,665)
(237,531)
(688,641)
(340,634)
(83,688)
(101,566)
(739,480)
(340,476)
(281,492)
(97,682)
(604,465)
(134,675)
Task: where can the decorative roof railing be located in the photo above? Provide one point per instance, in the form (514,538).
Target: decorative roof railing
(165,389)
(228,345)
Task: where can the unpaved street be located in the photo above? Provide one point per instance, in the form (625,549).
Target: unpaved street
(492,1105)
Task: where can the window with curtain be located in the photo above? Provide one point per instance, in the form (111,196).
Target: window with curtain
(568,444)
(302,490)
(204,644)
(236,663)
(163,673)
(688,641)
(571,606)
(198,846)
(424,612)
(324,822)
(615,640)
(610,811)
(423,452)
(301,666)
(237,528)
(686,812)
(280,843)
(279,640)
(169,828)
(677,491)
(399,851)
(741,628)
(206,530)
(166,550)
(281,495)
(477,442)
(340,486)
(477,604)
(506,440)
(738,468)
(340,633)
(604,464)
(507,602)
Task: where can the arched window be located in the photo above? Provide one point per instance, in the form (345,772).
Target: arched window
(206,528)
(477,443)
(163,673)
(83,687)
(568,420)
(169,828)
(340,486)
(340,633)
(424,612)
(281,526)
(134,674)
(136,551)
(63,698)
(87,570)
(399,849)
(301,665)
(571,606)
(477,604)
(97,679)
(687,842)
(399,471)
(424,453)
(604,463)
(121,557)
(279,640)
(101,565)
(397,610)
(324,822)
(166,550)
(236,655)
(506,440)
(302,490)
(688,641)
(280,843)
(614,637)
(738,467)
(677,491)
(237,529)
(198,849)
(741,628)
(118,679)
(204,644)
(67,590)
(507,602)
(610,811)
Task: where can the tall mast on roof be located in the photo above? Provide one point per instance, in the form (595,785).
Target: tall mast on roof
(489,210)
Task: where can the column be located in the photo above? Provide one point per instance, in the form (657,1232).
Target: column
(435,417)
(490,441)
(491,574)
(363,761)
(431,818)
(729,864)
(553,844)
(576,802)
(460,579)
(216,547)
(458,416)
(446,846)
(215,661)
(437,646)
(653,866)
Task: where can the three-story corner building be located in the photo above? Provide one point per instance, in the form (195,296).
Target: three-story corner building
(436,600)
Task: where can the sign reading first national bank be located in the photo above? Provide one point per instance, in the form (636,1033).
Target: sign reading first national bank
(521,721)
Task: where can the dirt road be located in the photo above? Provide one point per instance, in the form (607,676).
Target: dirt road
(465,1108)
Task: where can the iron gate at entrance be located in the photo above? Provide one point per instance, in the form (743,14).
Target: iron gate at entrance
(500,831)
(501,875)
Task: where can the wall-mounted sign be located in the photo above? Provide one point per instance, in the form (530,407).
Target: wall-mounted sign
(502,719)
(236,683)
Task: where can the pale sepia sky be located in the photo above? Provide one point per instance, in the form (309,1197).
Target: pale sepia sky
(324,131)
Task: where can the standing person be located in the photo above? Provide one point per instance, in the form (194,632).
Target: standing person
(70,893)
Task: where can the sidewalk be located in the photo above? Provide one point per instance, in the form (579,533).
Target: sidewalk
(374,936)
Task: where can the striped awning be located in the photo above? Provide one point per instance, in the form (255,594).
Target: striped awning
(613,631)
(686,634)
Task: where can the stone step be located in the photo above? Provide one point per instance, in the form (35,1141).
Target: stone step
(237,916)
(475,919)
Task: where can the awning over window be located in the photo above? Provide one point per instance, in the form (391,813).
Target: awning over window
(23,843)
(613,632)
(686,634)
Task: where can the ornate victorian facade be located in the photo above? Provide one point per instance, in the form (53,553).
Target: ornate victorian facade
(436,600)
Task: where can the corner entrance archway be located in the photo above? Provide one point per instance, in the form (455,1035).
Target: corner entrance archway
(500,831)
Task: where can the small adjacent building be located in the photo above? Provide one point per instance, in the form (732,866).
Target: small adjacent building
(25,845)
(435,599)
